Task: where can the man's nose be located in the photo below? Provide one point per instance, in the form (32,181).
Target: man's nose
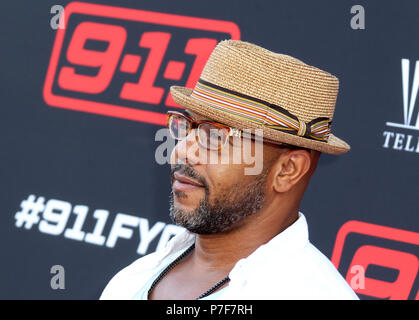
(187,150)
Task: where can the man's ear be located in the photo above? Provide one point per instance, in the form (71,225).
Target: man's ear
(289,169)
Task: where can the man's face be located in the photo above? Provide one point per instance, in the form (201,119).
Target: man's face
(215,197)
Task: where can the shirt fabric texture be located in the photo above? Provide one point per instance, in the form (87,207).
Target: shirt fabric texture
(287,267)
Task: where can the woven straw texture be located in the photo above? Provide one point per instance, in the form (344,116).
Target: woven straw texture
(305,91)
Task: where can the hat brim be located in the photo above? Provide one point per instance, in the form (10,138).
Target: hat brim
(182,96)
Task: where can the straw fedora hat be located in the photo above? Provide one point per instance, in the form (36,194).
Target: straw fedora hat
(246,86)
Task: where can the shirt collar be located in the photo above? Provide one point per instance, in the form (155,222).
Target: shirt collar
(290,239)
(293,237)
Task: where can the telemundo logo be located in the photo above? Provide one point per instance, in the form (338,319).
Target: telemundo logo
(401,141)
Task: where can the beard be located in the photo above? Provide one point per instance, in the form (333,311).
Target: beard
(226,211)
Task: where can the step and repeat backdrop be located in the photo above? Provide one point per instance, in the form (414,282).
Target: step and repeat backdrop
(85,87)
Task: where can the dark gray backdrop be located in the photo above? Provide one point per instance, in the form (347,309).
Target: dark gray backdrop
(108,163)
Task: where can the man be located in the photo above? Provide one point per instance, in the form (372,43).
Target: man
(245,237)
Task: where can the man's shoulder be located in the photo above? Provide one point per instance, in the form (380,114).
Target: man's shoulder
(325,276)
(309,274)
(126,282)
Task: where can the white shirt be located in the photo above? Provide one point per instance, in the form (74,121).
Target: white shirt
(287,267)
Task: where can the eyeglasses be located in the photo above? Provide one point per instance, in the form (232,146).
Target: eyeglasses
(211,135)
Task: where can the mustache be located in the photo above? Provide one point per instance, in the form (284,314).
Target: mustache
(188,171)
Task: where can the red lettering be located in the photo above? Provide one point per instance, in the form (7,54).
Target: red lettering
(406,263)
(201,48)
(144,90)
(106,61)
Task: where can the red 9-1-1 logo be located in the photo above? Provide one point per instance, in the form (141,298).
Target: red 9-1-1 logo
(387,257)
(121,62)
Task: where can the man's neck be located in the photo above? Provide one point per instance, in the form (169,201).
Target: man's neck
(223,250)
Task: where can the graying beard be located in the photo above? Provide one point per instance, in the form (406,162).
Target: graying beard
(226,212)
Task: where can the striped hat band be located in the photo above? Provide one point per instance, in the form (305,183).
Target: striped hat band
(260,112)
